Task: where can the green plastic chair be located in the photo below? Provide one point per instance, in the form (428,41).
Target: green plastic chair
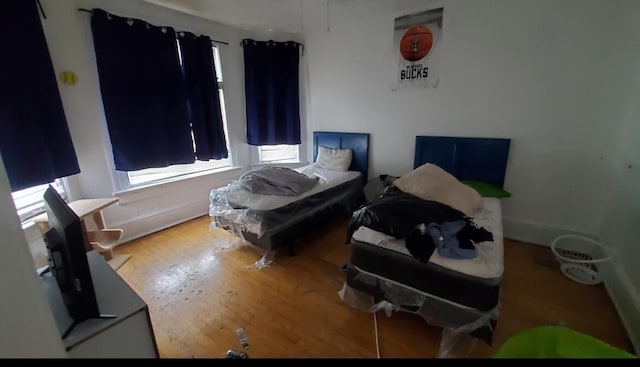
(557,342)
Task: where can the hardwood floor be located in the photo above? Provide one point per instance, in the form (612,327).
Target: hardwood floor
(199,291)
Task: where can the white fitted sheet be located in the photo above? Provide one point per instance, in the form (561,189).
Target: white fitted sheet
(328,179)
(489,262)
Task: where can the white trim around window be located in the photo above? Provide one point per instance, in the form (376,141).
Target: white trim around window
(30,201)
(277,154)
(154,176)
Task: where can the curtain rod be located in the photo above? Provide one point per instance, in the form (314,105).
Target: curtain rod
(297,43)
(213,41)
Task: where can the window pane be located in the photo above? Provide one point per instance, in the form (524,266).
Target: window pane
(278,153)
(216,60)
(224,118)
(29,202)
(179,51)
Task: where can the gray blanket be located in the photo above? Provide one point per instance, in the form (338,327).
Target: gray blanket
(277,181)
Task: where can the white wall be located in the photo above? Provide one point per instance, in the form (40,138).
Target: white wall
(28,328)
(70,44)
(546,74)
(619,228)
(620,225)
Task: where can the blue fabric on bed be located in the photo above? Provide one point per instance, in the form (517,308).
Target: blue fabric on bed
(444,235)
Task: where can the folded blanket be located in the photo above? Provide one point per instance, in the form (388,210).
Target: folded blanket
(431,182)
(277,181)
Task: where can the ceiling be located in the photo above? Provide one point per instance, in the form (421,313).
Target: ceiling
(259,15)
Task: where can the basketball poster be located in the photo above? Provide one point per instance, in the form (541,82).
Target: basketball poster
(416,44)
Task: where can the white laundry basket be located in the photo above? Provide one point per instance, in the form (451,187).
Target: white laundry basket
(579,257)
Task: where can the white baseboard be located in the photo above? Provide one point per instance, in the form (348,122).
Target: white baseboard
(536,233)
(626,299)
(156,221)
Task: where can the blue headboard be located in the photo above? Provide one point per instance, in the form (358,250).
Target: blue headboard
(479,159)
(357,142)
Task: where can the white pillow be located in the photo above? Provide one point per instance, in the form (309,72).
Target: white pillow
(431,182)
(333,159)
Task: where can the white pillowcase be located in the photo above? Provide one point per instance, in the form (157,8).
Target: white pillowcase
(333,159)
(431,182)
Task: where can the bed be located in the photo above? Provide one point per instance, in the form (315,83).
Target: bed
(271,221)
(459,295)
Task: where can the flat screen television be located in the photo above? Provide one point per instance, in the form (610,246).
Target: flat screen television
(68,263)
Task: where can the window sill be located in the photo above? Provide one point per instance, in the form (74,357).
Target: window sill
(278,164)
(127,195)
(28,224)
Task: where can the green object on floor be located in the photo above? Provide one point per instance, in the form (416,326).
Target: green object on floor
(557,342)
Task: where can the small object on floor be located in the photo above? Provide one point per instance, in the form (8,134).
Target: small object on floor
(265,261)
(242,337)
(234,354)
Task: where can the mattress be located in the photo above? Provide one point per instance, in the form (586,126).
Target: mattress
(327,180)
(271,221)
(473,283)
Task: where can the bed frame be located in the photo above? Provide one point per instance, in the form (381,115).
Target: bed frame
(479,159)
(287,234)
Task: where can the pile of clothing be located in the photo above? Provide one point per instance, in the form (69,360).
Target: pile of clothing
(426,225)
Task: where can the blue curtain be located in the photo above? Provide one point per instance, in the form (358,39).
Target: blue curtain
(142,91)
(34,137)
(272,92)
(203,98)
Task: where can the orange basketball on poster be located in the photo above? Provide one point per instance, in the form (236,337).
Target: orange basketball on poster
(416,43)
